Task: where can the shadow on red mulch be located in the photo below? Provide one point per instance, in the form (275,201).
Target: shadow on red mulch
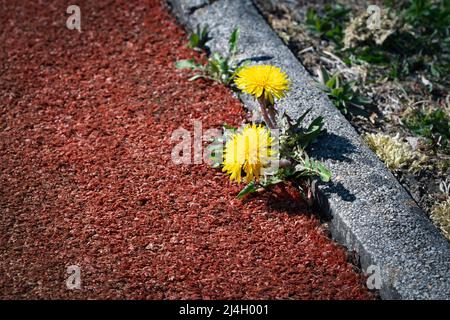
(87,178)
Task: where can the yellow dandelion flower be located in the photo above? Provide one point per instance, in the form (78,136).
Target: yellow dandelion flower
(264,80)
(249,150)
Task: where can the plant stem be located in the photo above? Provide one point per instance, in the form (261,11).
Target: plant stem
(309,196)
(272,115)
(267,112)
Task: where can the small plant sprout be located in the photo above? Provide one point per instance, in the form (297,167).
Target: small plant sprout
(431,123)
(343,94)
(328,25)
(218,68)
(199,38)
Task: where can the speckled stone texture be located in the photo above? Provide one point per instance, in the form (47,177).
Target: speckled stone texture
(371,212)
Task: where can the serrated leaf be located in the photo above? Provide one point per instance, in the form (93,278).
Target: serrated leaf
(234,37)
(271,181)
(250,188)
(194,41)
(229,127)
(332,82)
(224,67)
(213,67)
(324,172)
(187,64)
(337,91)
(204,32)
(302,117)
(313,131)
(217,57)
(313,168)
(325,76)
(195,77)
(361,100)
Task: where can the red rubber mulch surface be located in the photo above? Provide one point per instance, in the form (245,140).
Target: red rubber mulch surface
(87,178)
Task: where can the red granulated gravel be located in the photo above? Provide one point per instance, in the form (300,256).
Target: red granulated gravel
(87,178)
